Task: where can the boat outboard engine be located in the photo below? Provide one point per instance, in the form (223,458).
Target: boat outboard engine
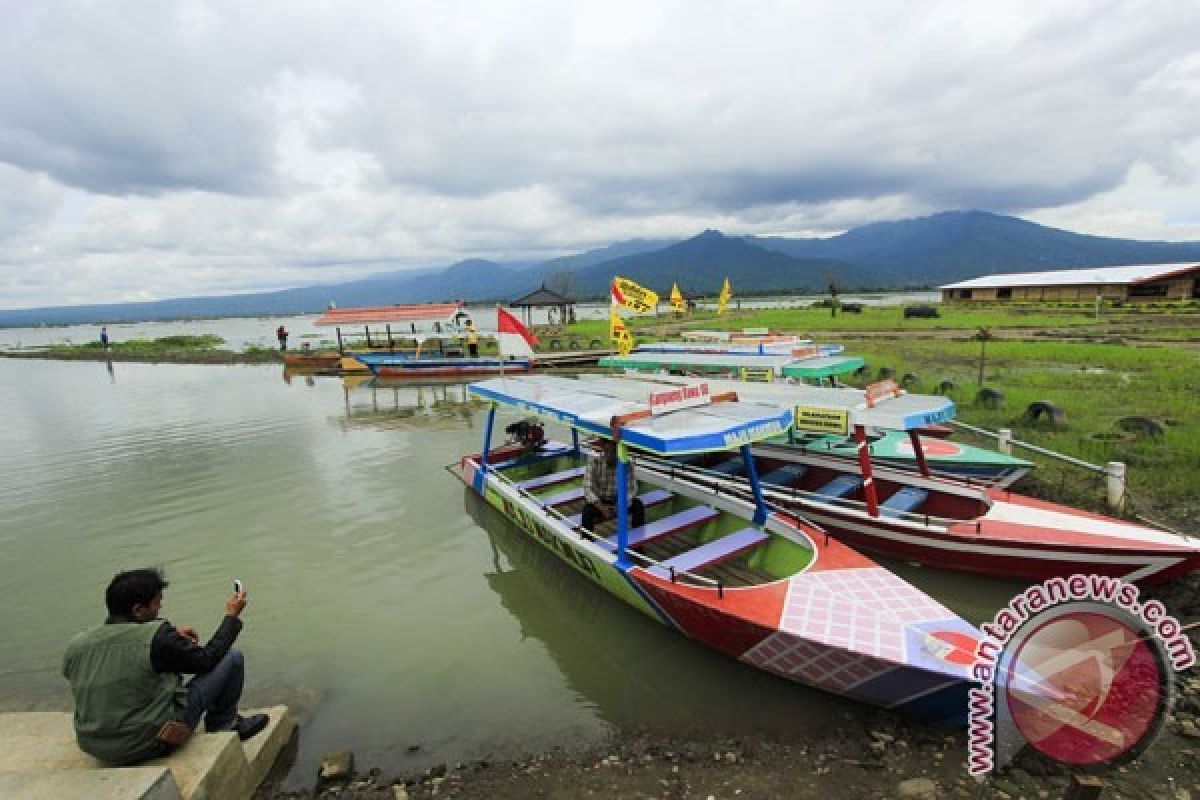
(527,432)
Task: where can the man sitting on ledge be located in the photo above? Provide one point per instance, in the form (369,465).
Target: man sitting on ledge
(600,488)
(130,701)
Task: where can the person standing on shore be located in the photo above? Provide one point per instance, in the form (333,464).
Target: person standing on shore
(104,337)
(281,334)
(130,701)
(472,340)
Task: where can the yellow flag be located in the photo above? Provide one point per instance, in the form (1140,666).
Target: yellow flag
(636,298)
(676,297)
(621,338)
(725,296)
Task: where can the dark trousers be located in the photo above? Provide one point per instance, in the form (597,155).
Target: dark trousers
(593,513)
(473,350)
(216,693)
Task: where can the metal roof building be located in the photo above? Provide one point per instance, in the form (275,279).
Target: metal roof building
(1147,282)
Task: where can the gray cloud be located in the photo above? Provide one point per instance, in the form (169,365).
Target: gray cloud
(155,149)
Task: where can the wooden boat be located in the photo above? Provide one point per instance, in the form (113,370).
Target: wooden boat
(931,519)
(956,459)
(394,327)
(765,588)
(807,364)
(422,367)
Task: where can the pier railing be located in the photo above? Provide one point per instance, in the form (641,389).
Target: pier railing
(1113,471)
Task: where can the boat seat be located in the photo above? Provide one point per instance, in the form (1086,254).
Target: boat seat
(840,486)
(907,499)
(733,466)
(651,498)
(784,476)
(713,552)
(549,480)
(652,531)
(562,498)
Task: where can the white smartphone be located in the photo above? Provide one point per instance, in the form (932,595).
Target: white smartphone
(237,587)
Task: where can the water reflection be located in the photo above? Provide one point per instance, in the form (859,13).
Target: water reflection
(630,669)
(374,402)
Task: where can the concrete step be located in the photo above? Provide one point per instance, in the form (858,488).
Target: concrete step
(130,783)
(211,766)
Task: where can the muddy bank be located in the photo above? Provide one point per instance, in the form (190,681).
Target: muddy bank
(883,758)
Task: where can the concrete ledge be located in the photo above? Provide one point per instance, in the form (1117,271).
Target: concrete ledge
(131,783)
(211,766)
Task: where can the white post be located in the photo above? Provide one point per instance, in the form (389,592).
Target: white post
(1115,470)
(1004,441)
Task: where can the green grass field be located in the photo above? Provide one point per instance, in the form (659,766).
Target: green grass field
(1095,383)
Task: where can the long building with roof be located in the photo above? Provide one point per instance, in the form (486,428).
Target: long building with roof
(1142,283)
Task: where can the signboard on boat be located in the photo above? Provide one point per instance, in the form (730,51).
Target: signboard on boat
(675,399)
(808,351)
(820,419)
(756,374)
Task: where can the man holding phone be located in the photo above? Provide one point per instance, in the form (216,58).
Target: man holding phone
(126,675)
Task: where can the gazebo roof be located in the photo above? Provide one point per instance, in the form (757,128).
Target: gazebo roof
(542,297)
(423,312)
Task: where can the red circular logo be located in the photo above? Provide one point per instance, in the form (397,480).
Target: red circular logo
(931,447)
(1086,687)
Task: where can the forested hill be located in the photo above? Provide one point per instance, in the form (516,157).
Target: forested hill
(912,253)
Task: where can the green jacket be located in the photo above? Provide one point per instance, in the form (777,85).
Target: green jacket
(120,701)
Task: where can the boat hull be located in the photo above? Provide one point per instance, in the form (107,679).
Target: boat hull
(418,369)
(1014,537)
(783,626)
(954,458)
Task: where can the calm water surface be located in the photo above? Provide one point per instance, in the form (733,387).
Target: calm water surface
(388,606)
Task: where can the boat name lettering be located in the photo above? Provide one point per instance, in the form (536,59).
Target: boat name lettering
(675,399)
(531,524)
(753,433)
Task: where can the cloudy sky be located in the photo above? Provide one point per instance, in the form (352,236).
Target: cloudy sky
(152,149)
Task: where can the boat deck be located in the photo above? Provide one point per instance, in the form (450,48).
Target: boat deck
(676,527)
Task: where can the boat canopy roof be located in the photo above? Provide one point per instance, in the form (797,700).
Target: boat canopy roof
(591,407)
(772,348)
(816,408)
(818,366)
(822,366)
(423,312)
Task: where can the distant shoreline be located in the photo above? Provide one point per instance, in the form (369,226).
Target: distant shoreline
(198,357)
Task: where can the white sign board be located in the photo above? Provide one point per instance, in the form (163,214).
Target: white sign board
(681,397)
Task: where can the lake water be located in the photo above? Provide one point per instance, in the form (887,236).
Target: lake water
(243,332)
(388,606)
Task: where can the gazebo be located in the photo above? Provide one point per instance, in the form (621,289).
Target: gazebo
(544,298)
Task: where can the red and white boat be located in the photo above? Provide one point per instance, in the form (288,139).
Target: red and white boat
(919,516)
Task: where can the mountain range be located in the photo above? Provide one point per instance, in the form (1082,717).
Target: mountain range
(905,254)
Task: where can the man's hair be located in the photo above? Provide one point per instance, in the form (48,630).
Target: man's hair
(135,587)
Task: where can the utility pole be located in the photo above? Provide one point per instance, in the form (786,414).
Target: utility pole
(983,335)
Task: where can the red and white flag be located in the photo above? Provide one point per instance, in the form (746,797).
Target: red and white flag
(514,338)
(507,323)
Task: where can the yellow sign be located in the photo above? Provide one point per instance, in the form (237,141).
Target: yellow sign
(822,420)
(756,374)
(621,338)
(632,296)
(724,297)
(676,297)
